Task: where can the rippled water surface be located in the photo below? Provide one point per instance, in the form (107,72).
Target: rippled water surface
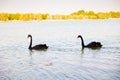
(64,59)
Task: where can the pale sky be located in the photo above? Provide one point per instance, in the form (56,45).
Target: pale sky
(58,6)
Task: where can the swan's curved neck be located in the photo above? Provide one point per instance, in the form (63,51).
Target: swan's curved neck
(30,46)
(82,41)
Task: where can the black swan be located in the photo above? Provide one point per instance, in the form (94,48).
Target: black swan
(36,47)
(92,45)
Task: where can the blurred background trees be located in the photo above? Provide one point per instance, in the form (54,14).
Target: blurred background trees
(78,15)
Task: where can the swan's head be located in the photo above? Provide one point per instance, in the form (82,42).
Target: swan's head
(29,36)
(79,36)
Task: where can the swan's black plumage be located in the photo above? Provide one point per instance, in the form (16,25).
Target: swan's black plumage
(37,47)
(90,45)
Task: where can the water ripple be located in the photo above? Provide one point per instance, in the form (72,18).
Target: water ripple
(64,59)
(4,78)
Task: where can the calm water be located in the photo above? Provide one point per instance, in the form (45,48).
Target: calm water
(64,59)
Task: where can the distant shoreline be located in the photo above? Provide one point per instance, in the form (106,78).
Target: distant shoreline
(79,15)
(60,20)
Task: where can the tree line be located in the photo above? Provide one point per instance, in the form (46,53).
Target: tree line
(78,15)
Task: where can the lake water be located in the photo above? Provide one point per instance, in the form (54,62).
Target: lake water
(64,59)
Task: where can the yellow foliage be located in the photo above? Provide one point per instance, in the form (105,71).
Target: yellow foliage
(79,15)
